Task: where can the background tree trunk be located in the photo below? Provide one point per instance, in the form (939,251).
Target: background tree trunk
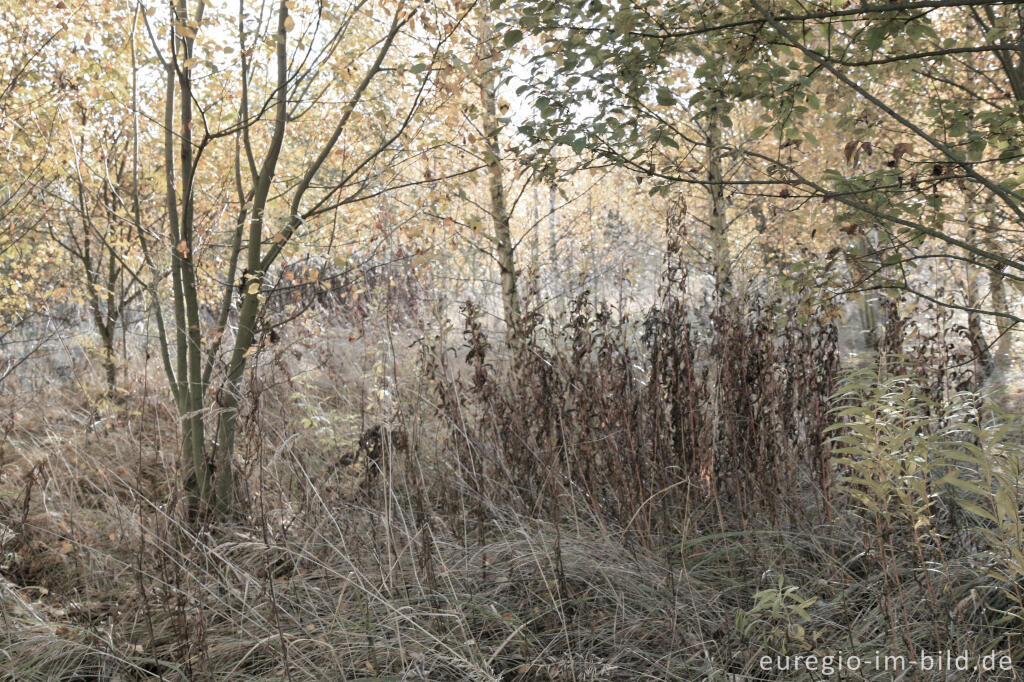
(504,249)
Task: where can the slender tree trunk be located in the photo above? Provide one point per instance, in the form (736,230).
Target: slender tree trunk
(535,244)
(189,281)
(997,288)
(500,218)
(228,397)
(188,335)
(113,313)
(109,363)
(553,236)
(721,271)
(985,363)
(721,263)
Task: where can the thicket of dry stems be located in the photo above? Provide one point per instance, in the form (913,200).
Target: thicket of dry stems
(617,499)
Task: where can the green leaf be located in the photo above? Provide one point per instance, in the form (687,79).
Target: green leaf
(976,510)
(513,37)
(665,97)
(875,37)
(954,480)
(624,21)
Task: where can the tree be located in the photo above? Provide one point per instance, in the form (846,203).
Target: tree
(960,84)
(277,196)
(499,204)
(95,191)
(27,85)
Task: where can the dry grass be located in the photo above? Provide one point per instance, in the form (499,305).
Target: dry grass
(426,574)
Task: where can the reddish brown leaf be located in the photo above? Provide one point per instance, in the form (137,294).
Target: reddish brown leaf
(901,150)
(849,150)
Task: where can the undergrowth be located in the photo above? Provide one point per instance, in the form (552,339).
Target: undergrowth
(673,497)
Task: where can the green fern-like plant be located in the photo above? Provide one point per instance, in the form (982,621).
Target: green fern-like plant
(933,486)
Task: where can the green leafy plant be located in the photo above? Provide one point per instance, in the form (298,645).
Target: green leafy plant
(939,484)
(778,617)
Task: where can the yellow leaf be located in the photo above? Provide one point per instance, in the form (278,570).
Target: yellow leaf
(289,23)
(190,62)
(254,288)
(66,547)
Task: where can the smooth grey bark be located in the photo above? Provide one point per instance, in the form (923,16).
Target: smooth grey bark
(721,263)
(504,249)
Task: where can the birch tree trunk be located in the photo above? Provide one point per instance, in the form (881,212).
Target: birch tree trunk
(504,249)
(721,263)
